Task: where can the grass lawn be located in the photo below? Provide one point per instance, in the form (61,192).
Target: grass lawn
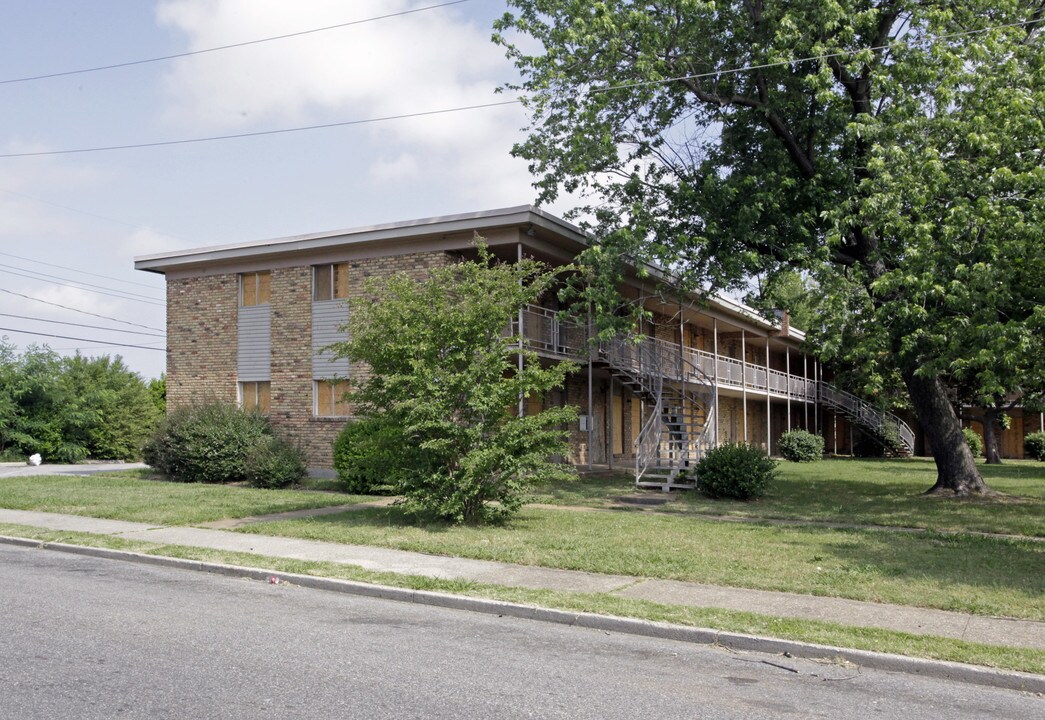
(129,495)
(967,573)
(860,492)
(1025,659)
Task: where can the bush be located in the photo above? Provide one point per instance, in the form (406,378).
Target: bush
(1034,445)
(274,463)
(206,443)
(367,456)
(735,470)
(974,441)
(801,446)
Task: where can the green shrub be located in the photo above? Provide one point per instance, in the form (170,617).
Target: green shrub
(274,463)
(368,456)
(206,443)
(1034,445)
(735,470)
(801,446)
(974,441)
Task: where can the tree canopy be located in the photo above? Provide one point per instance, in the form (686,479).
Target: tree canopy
(443,384)
(71,408)
(890,148)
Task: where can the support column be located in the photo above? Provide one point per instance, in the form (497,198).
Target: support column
(591,406)
(787,367)
(769,406)
(522,330)
(743,377)
(609,425)
(805,391)
(714,330)
(818,412)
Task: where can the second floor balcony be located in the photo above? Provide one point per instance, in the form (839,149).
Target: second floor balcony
(544,333)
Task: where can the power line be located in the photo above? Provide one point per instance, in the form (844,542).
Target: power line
(78,339)
(260,133)
(84,312)
(88,214)
(85,289)
(190,53)
(82,325)
(463,108)
(80,282)
(82,272)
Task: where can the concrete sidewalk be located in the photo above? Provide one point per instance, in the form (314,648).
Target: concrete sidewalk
(918,621)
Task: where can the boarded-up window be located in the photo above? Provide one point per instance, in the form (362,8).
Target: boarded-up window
(330,282)
(255,396)
(254,288)
(636,419)
(618,425)
(331,398)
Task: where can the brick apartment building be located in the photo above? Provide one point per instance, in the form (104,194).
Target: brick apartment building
(248,323)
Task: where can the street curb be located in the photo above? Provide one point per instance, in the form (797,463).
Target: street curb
(941,669)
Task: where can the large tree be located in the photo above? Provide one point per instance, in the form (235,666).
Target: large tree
(444,382)
(893,148)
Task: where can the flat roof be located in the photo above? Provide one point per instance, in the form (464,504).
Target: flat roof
(518,216)
(442,225)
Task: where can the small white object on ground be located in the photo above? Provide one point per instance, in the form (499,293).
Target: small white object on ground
(34,459)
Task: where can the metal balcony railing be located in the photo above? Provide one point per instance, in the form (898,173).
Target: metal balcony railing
(652,362)
(546,334)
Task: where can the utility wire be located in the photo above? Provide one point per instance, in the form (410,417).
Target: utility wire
(260,133)
(84,312)
(190,53)
(128,293)
(85,289)
(92,340)
(88,214)
(82,272)
(81,325)
(443,111)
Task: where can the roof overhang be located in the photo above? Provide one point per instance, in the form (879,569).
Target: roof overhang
(541,227)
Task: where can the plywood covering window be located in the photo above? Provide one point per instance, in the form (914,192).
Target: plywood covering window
(618,425)
(255,395)
(330,398)
(330,282)
(254,288)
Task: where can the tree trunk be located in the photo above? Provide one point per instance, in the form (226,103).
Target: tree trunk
(990,436)
(956,472)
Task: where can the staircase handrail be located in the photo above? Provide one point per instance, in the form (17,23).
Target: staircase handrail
(867,414)
(648,440)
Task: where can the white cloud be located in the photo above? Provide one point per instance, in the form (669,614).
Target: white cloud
(427,61)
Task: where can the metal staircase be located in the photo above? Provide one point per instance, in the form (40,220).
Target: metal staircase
(680,414)
(892,432)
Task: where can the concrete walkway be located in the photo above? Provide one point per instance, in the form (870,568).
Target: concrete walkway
(918,621)
(21,469)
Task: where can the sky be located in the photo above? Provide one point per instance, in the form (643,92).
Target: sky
(71,224)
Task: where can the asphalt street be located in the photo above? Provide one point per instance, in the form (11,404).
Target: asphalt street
(84,637)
